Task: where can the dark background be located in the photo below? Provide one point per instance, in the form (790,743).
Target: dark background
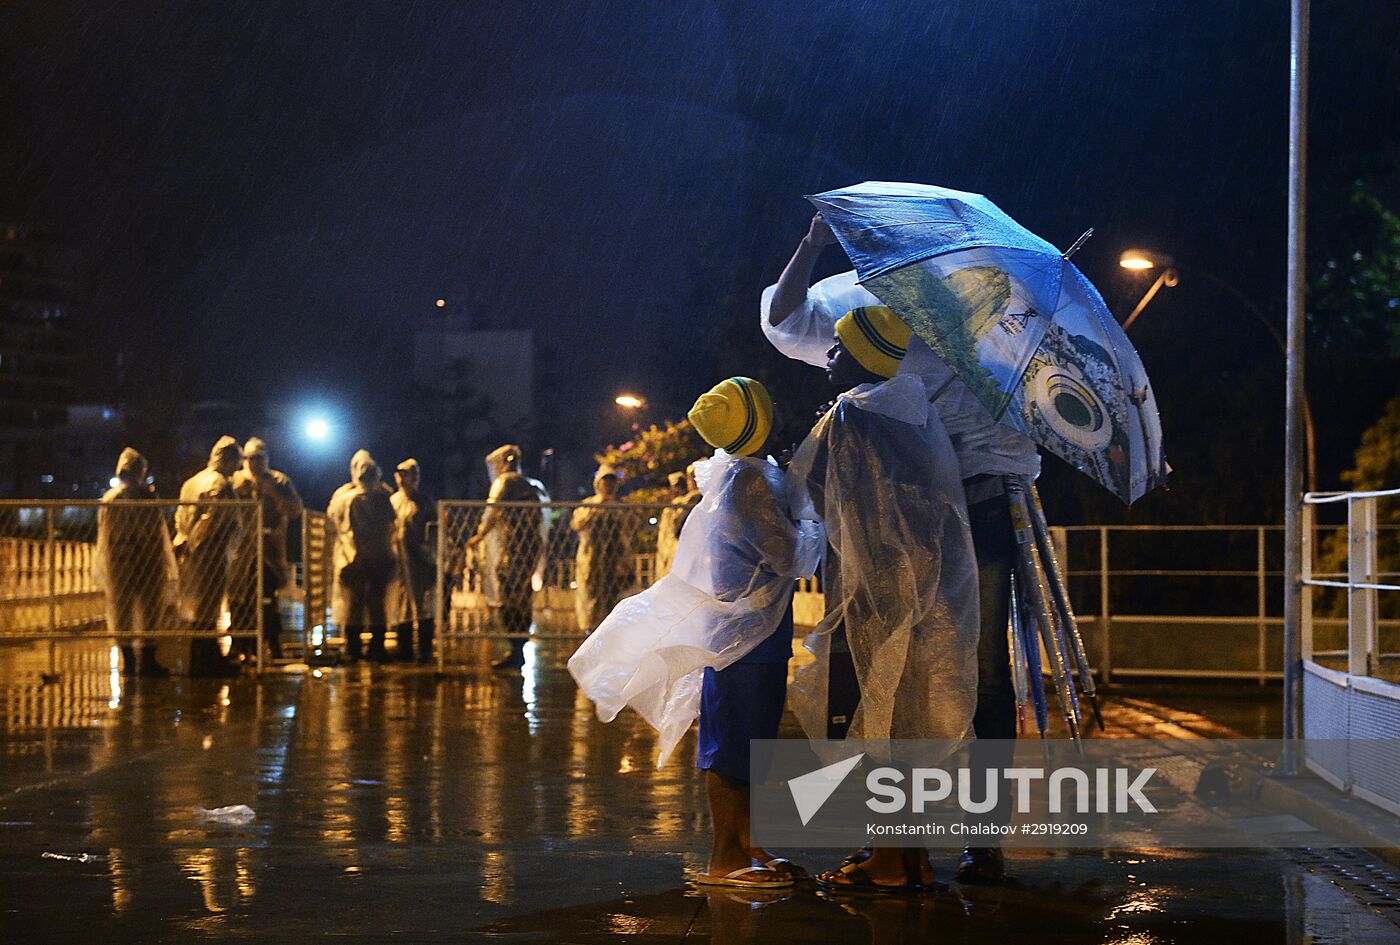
(268,195)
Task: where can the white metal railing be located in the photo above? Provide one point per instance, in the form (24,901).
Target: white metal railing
(1345,714)
(1362,578)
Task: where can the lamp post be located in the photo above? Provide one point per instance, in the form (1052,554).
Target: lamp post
(1141,260)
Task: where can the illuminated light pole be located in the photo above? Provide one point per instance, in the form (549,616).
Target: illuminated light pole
(1141,260)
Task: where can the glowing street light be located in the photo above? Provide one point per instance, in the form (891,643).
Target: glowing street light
(441,303)
(630,401)
(317,429)
(1141,260)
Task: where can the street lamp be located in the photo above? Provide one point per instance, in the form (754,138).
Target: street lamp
(317,429)
(630,401)
(1141,260)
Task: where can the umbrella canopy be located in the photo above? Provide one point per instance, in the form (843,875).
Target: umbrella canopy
(1013,318)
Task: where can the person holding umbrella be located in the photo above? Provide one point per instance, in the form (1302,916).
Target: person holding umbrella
(1017,350)
(799,322)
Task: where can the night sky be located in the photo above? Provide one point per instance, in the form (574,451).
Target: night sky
(269,194)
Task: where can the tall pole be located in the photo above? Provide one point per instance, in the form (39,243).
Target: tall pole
(1293,427)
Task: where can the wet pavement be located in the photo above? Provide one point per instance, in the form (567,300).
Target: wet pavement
(393,805)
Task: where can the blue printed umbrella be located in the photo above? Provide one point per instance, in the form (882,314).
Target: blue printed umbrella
(1013,317)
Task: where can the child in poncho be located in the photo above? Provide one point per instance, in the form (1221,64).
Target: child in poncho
(712,638)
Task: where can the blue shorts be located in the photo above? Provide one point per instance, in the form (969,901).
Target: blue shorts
(742,702)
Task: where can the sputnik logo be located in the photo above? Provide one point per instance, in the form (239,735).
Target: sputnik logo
(813,789)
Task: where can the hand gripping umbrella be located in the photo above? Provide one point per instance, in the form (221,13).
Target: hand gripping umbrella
(1015,320)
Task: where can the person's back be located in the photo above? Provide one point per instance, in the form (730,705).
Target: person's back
(127,533)
(362,513)
(206,532)
(371,514)
(199,526)
(757,541)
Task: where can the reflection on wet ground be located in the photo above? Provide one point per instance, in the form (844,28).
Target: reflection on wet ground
(391,804)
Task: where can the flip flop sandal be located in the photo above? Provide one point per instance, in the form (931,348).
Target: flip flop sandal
(852,879)
(858,857)
(782,864)
(736,879)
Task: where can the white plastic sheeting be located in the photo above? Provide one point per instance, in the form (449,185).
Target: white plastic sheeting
(878,469)
(731,582)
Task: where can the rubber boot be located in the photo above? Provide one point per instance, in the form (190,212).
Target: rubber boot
(425,641)
(514,659)
(352,643)
(272,628)
(149,666)
(404,633)
(205,660)
(377,653)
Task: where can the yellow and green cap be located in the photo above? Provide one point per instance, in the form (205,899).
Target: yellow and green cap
(875,337)
(735,415)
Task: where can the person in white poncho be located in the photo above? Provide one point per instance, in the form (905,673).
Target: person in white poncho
(799,320)
(713,637)
(900,578)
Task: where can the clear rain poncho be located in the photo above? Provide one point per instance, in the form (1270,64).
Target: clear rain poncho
(729,587)
(135,559)
(901,575)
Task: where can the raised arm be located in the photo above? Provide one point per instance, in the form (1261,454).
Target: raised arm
(799,320)
(791,289)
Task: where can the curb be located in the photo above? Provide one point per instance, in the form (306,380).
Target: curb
(1312,799)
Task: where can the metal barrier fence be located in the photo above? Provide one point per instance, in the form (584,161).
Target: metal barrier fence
(133,571)
(560,566)
(1174,601)
(1351,717)
(317,582)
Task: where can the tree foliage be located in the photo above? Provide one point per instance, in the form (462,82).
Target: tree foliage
(1376,467)
(653,454)
(1353,302)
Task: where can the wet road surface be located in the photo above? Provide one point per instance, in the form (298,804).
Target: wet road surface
(394,806)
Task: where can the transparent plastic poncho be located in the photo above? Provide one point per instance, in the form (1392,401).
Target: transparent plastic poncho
(730,585)
(901,576)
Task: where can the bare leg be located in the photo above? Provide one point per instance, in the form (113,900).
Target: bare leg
(893,865)
(729,817)
(889,866)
